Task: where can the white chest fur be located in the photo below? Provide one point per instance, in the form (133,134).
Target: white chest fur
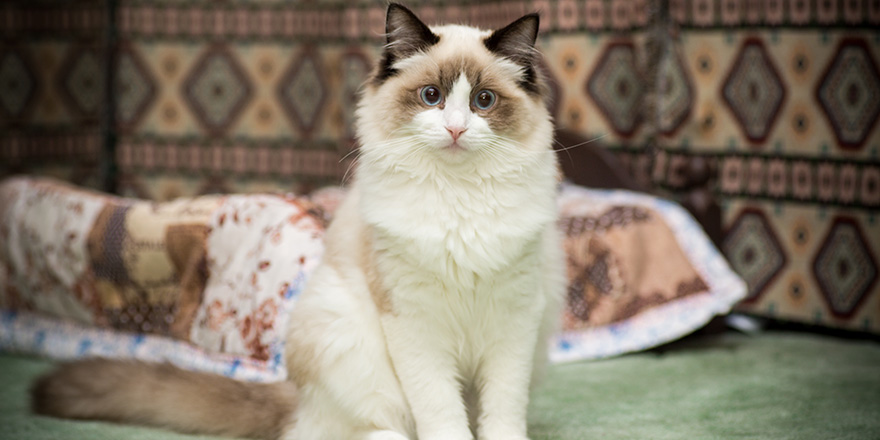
(459,222)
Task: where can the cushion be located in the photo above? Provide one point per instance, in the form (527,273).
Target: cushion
(641,273)
(207,283)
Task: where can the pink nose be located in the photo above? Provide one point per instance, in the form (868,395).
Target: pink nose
(455,132)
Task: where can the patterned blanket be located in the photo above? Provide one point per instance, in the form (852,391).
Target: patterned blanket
(207,282)
(83,273)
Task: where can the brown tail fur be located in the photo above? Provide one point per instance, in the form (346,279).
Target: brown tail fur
(166,396)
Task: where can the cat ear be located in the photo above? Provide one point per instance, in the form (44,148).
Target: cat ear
(516,41)
(405,35)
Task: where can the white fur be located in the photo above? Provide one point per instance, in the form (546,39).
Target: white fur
(456,113)
(464,242)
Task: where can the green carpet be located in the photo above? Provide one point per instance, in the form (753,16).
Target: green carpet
(771,386)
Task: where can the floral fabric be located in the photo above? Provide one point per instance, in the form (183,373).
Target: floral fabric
(207,283)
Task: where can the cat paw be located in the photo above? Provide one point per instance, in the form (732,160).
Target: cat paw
(385,435)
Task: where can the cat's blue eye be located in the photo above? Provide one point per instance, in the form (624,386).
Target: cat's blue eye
(431,95)
(484,99)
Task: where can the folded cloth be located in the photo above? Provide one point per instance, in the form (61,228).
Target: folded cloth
(207,283)
(641,271)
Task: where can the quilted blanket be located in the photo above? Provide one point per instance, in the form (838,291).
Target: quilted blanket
(205,282)
(208,282)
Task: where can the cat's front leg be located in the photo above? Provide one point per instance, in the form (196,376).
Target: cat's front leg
(423,361)
(504,375)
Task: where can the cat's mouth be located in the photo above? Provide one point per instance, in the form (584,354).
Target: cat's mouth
(454,147)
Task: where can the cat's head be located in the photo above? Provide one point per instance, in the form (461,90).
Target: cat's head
(454,94)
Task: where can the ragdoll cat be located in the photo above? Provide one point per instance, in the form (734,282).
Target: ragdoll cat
(441,278)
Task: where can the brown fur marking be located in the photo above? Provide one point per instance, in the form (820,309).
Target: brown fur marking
(378,292)
(509,116)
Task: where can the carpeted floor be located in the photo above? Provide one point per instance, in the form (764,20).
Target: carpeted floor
(771,386)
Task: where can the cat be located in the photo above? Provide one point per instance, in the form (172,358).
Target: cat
(442,277)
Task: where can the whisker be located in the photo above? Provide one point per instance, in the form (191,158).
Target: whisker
(583,143)
(570,159)
(353,151)
(351,165)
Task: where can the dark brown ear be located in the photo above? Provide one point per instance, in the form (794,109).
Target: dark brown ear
(516,42)
(405,35)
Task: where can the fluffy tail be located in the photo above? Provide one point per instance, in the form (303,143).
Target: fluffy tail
(166,396)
